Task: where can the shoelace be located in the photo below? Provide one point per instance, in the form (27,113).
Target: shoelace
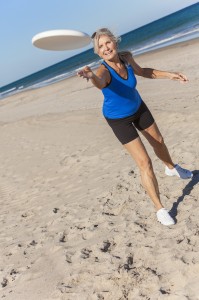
(182,170)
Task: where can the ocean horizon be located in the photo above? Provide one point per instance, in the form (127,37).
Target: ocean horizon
(177,27)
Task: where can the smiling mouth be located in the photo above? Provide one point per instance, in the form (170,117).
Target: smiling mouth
(108,52)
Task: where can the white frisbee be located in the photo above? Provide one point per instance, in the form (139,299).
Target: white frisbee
(59,40)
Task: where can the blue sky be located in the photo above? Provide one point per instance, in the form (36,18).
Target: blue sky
(21,19)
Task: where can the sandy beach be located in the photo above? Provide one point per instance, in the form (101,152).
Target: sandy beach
(75,221)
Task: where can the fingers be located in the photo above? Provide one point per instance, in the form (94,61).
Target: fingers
(86,72)
(180,77)
(84,75)
(81,74)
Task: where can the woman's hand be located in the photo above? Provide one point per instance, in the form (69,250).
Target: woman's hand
(100,79)
(86,72)
(179,76)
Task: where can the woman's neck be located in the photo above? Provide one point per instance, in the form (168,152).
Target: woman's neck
(115,62)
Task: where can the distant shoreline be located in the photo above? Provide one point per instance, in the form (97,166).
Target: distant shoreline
(158,50)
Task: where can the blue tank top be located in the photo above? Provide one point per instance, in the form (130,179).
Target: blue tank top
(121,99)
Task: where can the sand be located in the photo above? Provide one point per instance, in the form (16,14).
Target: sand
(75,222)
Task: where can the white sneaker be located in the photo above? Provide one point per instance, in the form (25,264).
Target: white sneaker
(178,171)
(164,217)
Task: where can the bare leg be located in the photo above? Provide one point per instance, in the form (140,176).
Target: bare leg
(154,137)
(142,159)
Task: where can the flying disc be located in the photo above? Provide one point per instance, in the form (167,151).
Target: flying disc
(59,40)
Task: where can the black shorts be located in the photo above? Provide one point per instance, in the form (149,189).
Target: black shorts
(125,128)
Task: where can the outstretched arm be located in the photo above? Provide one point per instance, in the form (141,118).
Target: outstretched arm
(100,79)
(155,74)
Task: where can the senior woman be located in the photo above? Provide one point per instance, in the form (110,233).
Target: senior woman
(127,114)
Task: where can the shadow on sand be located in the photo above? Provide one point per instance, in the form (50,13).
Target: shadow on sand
(185,192)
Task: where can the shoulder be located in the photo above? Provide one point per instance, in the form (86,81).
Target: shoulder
(103,70)
(104,74)
(125,56)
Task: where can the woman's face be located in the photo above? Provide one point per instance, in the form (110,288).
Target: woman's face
(107,49)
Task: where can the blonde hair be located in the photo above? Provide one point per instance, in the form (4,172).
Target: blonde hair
(103,31)
(123,55)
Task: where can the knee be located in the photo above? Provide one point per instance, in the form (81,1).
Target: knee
(145,164)
(159,143)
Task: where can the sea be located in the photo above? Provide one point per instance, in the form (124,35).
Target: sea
(177,27)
